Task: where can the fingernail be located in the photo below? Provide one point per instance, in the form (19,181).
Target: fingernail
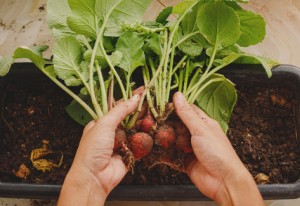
(136,97)
(179,97)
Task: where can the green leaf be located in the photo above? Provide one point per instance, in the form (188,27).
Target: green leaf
(39,49)
(164,15)
(253,28)
(131,44)
(182,6)
(116,58)
(218,100)
(68,53)
(191,47)
(49,70)
(26,52)
(5,65)
(83,19)
(57,12)
(234,5)
(154,43)
(218,23)
(77,112)
(267,63)
(188,23)
(127,12)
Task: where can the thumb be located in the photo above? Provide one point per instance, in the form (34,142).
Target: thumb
(187,114)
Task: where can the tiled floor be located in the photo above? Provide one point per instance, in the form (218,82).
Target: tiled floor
(25,25)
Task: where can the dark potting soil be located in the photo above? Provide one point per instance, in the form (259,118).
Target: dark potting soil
(262,131)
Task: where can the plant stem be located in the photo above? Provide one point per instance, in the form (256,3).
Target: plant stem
(179,64)
(170,74)
(157,72)
(186,37)
(170,42)
(73,95)
(186,76)
(100,37)
(211,59)
(149,99)
(192,98)
(192,82)
(102,88)
(156,87)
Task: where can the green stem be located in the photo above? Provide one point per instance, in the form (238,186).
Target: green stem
(180,84)
(165,92)
(169,81)
(186,76)
(186,37)
(103,89)
(179,64)
(192,98)
(149,99)
(194,78)
(100,40)
(157,72)
(73,95)
(163,101)
(156,87)
(211,59)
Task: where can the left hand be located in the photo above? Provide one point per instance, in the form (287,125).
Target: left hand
(96,170)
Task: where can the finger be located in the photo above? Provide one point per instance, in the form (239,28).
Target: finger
(187,114)
(138,91)
(200,112)
(119,168)
(89,126)
(114,117)
(210,121)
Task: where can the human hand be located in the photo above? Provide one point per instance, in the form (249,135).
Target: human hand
(96,170)
(216,169)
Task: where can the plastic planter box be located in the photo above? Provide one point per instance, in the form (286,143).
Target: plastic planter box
(243,74)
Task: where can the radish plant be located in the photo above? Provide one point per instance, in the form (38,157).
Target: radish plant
(101,45)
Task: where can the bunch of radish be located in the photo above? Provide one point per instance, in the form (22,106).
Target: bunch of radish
(105,49)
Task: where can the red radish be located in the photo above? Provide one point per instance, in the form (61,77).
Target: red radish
(120,139)
(164,136)
(140,144)
(183,143)
(147,124)
(179,127)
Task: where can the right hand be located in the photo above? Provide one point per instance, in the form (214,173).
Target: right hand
(216,169)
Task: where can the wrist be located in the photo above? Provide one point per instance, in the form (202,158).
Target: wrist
(81,188)
(239,188)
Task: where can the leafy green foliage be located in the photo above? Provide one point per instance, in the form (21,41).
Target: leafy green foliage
(130,44)
(164,15)
(34,56)
(127,12)
(78,113)
(5,64)
(252,28)
(218,100)
(220,27)
(67,58)
(96,39)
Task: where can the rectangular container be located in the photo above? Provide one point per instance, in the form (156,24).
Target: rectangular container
(239,74)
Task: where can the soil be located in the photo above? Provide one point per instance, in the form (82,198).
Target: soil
(262,130)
